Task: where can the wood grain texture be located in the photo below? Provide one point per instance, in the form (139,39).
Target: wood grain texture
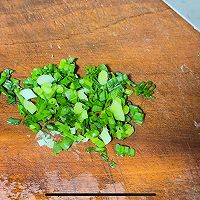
(145,39)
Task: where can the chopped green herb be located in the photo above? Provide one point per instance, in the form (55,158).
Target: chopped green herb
(105,136)
(145,88)
(137,114)
(116,109)
(13,121)
(63,109)
(28,94)
(103,77)
(45,79)
(122,150)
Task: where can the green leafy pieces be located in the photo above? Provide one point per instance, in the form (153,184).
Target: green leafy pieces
(57,148)
(29,106)
(122,150)
(137,114)
(67,66)
(103,77)
(145,88)
(71,95)
(28,94)
(124,131)
(63,108)
(105,136)
(82,95)
(7,85)
(44,139)
(5,75)
(45,79)
(80,111)
(13,121)
(96,149)
(103,154)
(116,109)
(110,162)
(66,143)
(99,143)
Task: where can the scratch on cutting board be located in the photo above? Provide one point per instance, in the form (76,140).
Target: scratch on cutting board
(76,154)
(185,69)
(189,193)
(196,124)
(51,46)
(182,96)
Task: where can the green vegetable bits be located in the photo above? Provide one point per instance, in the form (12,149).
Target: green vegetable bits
(13,121)
(122,150)
(63,108)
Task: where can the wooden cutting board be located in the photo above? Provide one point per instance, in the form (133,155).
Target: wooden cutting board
(145,39)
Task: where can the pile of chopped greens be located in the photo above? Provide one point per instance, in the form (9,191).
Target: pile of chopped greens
(63,108)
